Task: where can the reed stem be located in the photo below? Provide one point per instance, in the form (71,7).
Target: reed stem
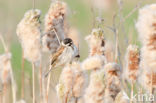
(22,77)
(41,93)
(33,82)
(48,85)
(132,92)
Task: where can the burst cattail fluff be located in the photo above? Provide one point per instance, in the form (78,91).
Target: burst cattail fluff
(96,42)
(112,80)
(5,67)
(72,81)
(146,26)
(122,98)
(146,80)
(54,25)
(132,63)
(28,31)
(95,91)
(93,62)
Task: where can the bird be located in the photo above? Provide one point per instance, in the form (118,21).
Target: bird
(65,54)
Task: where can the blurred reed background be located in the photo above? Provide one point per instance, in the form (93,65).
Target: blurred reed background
(81,16)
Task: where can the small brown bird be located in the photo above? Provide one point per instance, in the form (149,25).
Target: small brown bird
(65,54)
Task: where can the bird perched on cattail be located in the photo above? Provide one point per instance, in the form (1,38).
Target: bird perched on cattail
(64,55)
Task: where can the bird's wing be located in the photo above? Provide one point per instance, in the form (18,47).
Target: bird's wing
(56,55)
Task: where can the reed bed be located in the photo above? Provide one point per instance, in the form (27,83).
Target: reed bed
(104,76)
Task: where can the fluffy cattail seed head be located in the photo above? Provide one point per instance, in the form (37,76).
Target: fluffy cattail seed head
(147,32)
(93,62)
(96,42)
(112,80)
(28,31)
(147,79)
(5,67)
(72,81)
(132,63)
(95,90)
(54,25)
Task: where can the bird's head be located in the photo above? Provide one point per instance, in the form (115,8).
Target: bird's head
(67,42)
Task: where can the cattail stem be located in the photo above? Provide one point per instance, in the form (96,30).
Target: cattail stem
(41,93)
(33,82)
(4,92)
(22,77)
(33,4)
(66,97)
(13,86)
(48,85)
(151,87)
(132,92)
(3,43)
(76,100)
(1,100)
(57,36)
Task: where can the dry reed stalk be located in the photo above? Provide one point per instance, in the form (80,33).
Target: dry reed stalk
(13,85)
(4,92)
(40,79)
(33,82)
(3,43)
(132,92)
(22,77)
(48,85)
(1,96)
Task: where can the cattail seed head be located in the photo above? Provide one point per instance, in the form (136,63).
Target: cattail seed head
(72,81)
(93,62)
(28,31)
(147,78)
(96,88)
(5,67)
(132,63)
(112,80)
(147,32)
(54,25)
(96,42)
(146,24)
